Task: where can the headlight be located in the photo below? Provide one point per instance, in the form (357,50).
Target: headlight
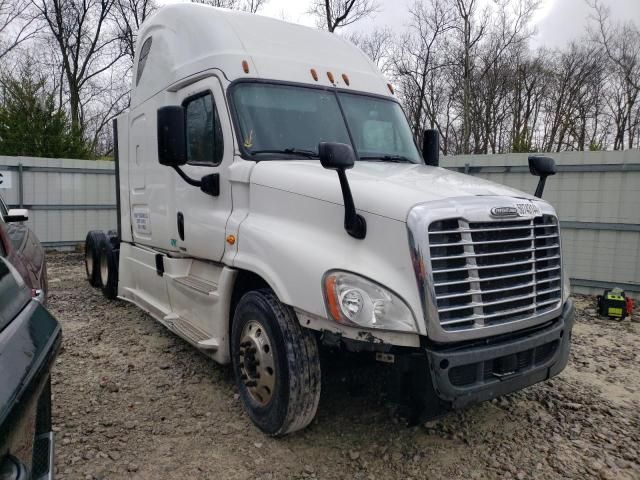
(356,301)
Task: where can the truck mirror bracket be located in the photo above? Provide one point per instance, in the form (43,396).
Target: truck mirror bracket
(354,223)
(209,184)
(339,157)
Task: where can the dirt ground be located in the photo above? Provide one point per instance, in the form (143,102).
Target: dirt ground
(131,400)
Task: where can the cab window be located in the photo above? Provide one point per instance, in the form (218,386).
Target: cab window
(204,133)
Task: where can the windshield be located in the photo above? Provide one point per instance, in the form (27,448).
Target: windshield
(292,120)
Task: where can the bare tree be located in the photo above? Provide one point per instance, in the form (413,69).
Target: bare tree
(529,87)
(334,14)
(251,6)
(416,60)
(376,45)
(17,25)
(621,43)
(86,45)
(470,30)
(128,15)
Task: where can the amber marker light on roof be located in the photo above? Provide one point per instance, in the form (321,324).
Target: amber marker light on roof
(231,239)
(314,74)
(390,87)
(346,79)
(330,77)
(245,66)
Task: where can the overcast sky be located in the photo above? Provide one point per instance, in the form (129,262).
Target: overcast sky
(557,22)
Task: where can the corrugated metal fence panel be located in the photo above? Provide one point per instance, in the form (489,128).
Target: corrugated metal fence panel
(596,194)
(597,197)
(66,197)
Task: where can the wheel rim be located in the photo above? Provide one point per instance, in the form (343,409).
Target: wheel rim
(88,262)
(257,370)
(104,269)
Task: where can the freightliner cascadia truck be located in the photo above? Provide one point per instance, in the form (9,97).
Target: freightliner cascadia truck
(273,199)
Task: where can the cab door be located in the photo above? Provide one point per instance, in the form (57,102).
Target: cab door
(201,218)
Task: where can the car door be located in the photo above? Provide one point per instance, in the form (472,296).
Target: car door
(201,218)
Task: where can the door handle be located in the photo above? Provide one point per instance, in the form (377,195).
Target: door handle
(181,226)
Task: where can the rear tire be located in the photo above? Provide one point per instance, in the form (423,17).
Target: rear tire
(92,256)
(108,269)
(288,398)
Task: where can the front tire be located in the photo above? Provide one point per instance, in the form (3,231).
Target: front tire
(276,364)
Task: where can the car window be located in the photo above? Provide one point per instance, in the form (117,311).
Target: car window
(204,133)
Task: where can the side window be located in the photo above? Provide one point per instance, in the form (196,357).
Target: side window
(142,61)
(204,134)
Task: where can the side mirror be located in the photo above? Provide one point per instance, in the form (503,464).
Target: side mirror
(172,138)
(541,167)
(336,156)
(17,215)
(431,147)
(340,157)
(172,148)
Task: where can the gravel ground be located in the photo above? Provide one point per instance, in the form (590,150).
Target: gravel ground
(131,400)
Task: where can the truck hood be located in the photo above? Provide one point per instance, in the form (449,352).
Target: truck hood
(381,188)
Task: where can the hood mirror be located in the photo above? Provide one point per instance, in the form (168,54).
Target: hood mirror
(340,157)
(541,167)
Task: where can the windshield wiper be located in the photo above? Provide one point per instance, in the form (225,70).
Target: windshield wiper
(388,158)
(289,151)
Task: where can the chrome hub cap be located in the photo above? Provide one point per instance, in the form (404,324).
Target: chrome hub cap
(257,369)
(104,269)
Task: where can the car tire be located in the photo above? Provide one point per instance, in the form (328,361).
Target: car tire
(108,268)
(91,256)
(267,332)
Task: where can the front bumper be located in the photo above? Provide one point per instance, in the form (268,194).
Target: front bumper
(465,375)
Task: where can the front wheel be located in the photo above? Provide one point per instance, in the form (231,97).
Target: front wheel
(276,364)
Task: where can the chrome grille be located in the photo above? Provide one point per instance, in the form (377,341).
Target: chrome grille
(489,273)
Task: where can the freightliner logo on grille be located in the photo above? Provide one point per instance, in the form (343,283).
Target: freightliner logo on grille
(519,210)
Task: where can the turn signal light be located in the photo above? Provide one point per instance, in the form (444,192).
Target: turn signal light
(332,301)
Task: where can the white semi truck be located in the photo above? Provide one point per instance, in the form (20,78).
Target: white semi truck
(272,199)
